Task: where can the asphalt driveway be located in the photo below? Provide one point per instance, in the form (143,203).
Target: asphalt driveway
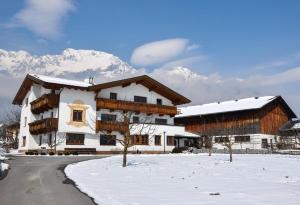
(40,180)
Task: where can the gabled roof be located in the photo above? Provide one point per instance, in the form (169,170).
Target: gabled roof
(57,83)
(148,82)
(252,103)
(47,82)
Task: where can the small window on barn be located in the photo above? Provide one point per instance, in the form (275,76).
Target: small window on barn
(108,140)
(25,121)
(26,102)
(113,96)
(140,99)
(77,115)
(240,139)
(221,139)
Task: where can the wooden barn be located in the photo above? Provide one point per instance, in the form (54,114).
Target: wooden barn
(251,123)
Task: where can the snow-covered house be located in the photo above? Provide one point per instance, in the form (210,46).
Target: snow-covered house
(251,123)
(83,116)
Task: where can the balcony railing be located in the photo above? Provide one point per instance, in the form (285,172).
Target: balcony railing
(135,107)
(44,103)
(110,126)
(43,126)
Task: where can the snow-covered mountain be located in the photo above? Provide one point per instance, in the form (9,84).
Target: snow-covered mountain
(78,63)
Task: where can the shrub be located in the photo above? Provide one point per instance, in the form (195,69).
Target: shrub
(67,153)
(35,153)
(51,153)
(43,153)
(27,153)
(59,153)
(179,150)
(75,153)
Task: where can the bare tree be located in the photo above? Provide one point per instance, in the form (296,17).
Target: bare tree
(8,129)
(143,127)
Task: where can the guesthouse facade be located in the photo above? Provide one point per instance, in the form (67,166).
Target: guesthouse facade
(65,115)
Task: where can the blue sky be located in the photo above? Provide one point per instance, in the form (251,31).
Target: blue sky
(234,35)
(235,48)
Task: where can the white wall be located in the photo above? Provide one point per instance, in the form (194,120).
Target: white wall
(255,142)
(127,93)
(67,97)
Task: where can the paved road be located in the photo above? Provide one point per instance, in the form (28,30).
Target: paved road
(41,181)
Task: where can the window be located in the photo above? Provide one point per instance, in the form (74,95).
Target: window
(50,140)
(40,140)
(25,121)
(160,121)
(140,99)
(113,96)
(74,139)
(140,139)
(242,138)
(170,140)
(221,139)
(77,115)
(108,117)
(52,115)
(26,102)
(135,119)
(24,141)
(108,140)
(157,140)
(159,101)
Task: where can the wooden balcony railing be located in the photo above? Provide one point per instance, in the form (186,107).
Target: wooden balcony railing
(136,107)
(44,103)
(43,126)
(110,126)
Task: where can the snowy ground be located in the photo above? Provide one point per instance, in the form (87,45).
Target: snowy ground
(190,179)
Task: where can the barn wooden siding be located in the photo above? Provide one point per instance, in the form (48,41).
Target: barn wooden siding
(266,120)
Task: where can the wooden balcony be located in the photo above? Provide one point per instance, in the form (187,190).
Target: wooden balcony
(44,103)
(43,126)
(109,126)
(135,107)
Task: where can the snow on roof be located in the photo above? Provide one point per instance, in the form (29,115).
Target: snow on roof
(226,106)
(61,81)
(296,125)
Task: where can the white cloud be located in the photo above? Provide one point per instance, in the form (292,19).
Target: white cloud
(160,51)
(43,17)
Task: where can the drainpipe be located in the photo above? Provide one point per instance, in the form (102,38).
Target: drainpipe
(57,118)
(164,142)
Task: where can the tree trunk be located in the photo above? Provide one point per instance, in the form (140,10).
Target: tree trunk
(125,156)
(209,151)
(230,153)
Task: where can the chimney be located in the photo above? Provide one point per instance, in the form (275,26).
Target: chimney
(91,80)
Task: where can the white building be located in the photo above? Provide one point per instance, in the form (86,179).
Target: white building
(68,115)
(249,123)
